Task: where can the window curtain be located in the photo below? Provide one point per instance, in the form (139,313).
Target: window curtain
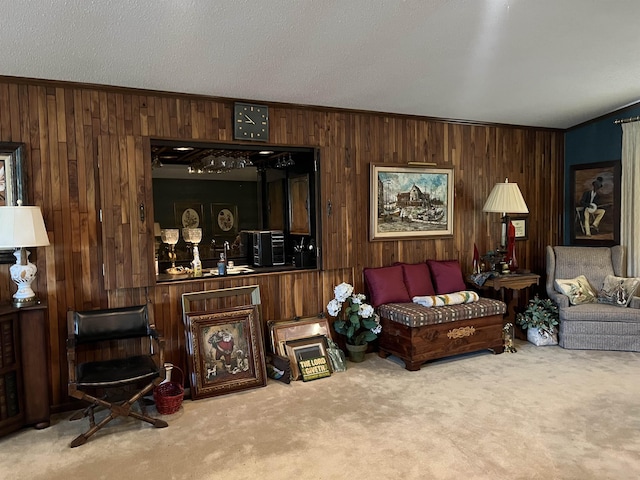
(630,203)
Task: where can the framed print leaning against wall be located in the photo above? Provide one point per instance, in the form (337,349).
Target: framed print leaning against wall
(410,202)
(226,351)
(595,203)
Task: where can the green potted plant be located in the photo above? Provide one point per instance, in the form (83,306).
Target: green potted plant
(540,319)
(355,319)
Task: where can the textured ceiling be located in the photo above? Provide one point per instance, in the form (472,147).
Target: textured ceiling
(549,63)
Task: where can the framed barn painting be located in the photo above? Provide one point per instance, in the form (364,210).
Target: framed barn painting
(410,202)
(595,203)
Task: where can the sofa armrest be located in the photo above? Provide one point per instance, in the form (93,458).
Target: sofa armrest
(635,302)
(559,299)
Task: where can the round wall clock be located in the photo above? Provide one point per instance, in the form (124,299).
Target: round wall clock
(190,218)
(225,219)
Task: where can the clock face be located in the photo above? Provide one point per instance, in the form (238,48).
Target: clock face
(251,122)
(225,219)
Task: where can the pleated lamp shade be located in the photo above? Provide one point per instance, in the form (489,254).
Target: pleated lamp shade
(505,198)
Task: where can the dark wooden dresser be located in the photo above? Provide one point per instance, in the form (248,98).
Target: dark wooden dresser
(24,378)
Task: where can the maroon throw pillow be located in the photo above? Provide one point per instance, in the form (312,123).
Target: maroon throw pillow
(417,279)
(386,285)
(447,276)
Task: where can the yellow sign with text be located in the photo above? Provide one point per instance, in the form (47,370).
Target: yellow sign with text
(314,368)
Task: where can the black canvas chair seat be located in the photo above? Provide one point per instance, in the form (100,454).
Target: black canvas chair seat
(116,373)
(141,367)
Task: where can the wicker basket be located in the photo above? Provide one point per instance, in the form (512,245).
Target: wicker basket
(168,396)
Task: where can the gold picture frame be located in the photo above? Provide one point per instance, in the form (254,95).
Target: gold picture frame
(410,202)
(281,332)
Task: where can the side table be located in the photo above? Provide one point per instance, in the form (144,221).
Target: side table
(514,282)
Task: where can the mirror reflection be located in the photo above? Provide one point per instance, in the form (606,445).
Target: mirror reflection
(255,207)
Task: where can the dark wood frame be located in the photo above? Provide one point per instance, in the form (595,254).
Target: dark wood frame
(15,179)
(180,207)
(215,209)
(581,177)
(293,346)
(217,371)
(523,232)
(407,176)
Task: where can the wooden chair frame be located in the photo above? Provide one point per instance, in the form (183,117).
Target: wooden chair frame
(100,335)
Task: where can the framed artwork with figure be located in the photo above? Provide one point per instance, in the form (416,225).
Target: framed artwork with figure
(225,350)
(595,203)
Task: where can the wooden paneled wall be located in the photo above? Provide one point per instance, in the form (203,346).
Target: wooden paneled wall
(62,123)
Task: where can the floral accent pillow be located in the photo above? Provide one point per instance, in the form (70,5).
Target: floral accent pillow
(618,291)
(577,289)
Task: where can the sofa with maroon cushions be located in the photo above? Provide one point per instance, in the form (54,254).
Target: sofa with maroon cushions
(415,333)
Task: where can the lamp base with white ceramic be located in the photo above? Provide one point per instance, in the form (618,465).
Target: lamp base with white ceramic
(23,273)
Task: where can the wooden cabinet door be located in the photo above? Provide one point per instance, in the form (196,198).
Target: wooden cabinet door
(299,219)
(127,211)
(276,204)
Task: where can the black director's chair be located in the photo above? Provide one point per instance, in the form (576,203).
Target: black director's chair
(131,355)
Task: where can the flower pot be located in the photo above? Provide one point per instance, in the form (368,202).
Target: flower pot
(540,337)
(356,352)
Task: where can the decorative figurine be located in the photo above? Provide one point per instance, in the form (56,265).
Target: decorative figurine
(507,336)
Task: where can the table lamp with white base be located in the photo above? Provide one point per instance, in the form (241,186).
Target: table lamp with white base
(22,227)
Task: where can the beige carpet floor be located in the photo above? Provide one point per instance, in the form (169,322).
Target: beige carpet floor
(540,413)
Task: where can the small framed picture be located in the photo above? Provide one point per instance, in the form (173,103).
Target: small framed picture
(521,225)
(188,214)
(305,349)
(224,218)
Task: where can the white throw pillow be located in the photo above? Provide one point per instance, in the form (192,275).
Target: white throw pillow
(577,289)
(457,298)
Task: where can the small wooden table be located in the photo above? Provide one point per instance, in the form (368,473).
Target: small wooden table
(513,282)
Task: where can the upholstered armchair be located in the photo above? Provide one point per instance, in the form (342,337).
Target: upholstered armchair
(597,326)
